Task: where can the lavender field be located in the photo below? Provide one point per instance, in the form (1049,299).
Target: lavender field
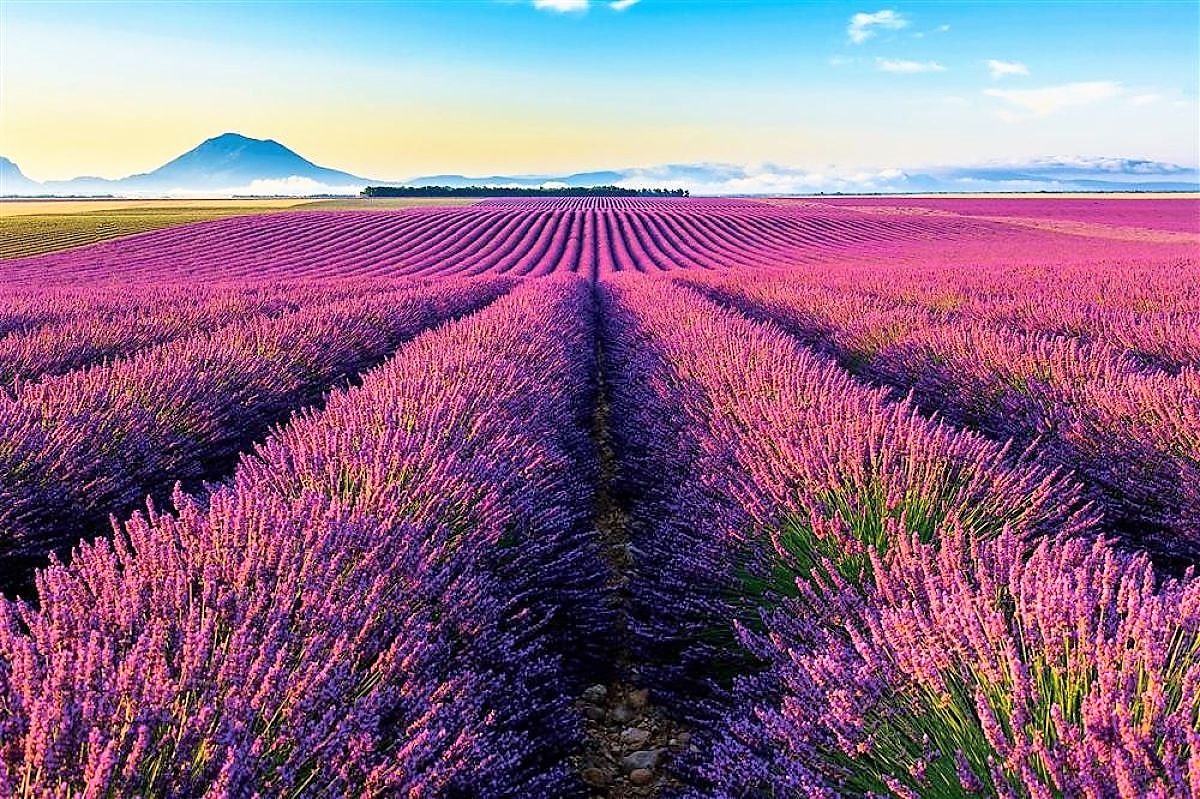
(607,497)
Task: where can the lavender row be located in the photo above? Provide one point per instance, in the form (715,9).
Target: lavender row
(1132,435)
(22,310)
(516,238)
(1144,308)
(394,596)
(93,442)
(1143,303)
(1137,296)
(973,668)
(513,401)
(746,457)
(150,317)
(1164,339)
(923,638)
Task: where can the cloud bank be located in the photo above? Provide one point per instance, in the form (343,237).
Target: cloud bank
(1000,69)
(863,26)
(561,6)
(902,67)
(1047,174)
(1032,103)
(577,6)
(710,178)
(293,186)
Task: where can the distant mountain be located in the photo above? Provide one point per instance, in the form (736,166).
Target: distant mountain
(225,164)
(232,164)
(14,182)
(235,160)
(1072,174)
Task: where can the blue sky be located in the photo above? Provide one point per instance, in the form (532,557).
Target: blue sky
(399,89)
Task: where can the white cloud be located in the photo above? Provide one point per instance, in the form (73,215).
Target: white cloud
(1050,99)
(1043,174)
(862,25)
(560,6)
(1000,69)
(938,29)
(765,179)
(901,67)
(294,186)
(1145,99)
(576,6)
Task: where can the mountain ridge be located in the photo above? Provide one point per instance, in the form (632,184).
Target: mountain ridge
(232,164)
(219,164)
(11,175)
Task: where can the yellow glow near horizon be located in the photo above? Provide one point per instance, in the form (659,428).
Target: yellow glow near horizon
(394,146)
(341,115)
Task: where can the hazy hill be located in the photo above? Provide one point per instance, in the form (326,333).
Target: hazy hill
(13,181)
(229,163)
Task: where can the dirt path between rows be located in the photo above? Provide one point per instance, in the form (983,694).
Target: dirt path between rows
(630,740)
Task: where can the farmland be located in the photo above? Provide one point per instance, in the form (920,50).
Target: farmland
(33,227)
(580,497)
